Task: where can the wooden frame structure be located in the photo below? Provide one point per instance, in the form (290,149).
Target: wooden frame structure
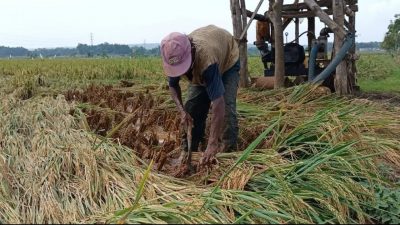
(281,15)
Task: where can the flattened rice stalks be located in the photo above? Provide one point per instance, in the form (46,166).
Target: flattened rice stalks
(152,133)
(318,165)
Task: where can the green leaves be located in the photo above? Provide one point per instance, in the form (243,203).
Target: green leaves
(386,208)
(139,194)
(243,157)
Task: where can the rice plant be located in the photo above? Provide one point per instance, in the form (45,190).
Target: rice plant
(310,157)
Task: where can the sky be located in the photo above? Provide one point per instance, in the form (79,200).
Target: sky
(65,23)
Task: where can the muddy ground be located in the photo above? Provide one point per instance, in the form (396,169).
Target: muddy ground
(382,98)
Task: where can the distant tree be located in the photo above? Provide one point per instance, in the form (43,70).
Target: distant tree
(103,50)
(83,49)
(14,52)
(55,52)
(155,51)
(139,51)
(392,37)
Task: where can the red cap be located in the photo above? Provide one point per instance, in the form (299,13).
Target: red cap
(176,54)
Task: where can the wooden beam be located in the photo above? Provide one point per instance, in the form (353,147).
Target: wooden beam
(303,6)
(238,11)
(341,76)
(347,24)
(247,25)
(337,29)
(297,30)
(235,22)
(243,16)
(311,31)
(276,17)
(352,65)
(306,14)
(258,17)
(270,9)
(244,71)
(349,11)
(287,22)
(321,3)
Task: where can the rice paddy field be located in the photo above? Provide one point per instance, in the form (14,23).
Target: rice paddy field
(96,141)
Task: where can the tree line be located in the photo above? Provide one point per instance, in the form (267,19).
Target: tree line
(108,50)
(82,50)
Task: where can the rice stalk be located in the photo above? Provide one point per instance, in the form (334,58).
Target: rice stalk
(316,162)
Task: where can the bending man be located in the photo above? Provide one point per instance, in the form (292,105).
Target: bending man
(208,59)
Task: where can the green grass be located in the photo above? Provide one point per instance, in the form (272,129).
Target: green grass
(389,84)
(256,67)
(379,73)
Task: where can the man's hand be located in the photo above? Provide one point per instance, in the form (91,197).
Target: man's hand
(209,155)
(186,119)
(217,120)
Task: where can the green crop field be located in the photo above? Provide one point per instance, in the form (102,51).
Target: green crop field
(379,73)
(93,141)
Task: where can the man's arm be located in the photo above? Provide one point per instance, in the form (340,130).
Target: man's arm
(215,89)
(176,94)
(217,122)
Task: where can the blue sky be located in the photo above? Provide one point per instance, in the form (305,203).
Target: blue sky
(54,23)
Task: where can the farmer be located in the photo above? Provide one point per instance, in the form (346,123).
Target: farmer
(208,59)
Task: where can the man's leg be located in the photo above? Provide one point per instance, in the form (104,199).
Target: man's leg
(231,82)
(197,105)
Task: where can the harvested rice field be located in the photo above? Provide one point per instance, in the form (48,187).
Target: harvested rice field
(97,141)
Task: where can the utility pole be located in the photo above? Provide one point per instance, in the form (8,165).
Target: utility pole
(91,45)
(91,39)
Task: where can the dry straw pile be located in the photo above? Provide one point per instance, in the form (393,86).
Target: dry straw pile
(316,162)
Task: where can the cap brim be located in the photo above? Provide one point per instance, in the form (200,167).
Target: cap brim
(178,70)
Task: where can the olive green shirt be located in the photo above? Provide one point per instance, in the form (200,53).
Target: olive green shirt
(213,45)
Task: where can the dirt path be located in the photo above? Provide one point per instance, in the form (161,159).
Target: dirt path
(382,98)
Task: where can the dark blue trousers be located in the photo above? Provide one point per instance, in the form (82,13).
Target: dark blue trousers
(198,104)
